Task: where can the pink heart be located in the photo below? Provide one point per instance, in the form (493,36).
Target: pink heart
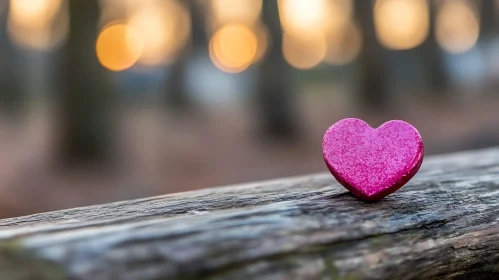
(372,163)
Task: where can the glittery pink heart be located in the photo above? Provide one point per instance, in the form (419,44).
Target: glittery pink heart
(372,163)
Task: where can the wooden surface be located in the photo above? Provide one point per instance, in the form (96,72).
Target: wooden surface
(443,224)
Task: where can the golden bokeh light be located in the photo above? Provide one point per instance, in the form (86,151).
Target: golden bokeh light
(304,53)
(299,16)
(157,32)
(316,30)
(344,47)
(457,26)
(233,47)
(302,16)
(118,47)
(401,24)
(38,24)
(339,15)
(244,11)
(33,13)
(164,27)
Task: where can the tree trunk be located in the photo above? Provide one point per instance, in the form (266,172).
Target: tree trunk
(373,87)
(177,96)
(488,18)
(12,96)
(275,97)
(434,64)
(86,93)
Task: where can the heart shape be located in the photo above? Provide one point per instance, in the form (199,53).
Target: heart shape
(372,163)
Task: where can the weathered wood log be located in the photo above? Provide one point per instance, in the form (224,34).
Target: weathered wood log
(444,224)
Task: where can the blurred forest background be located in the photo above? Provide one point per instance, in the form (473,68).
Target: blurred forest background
(104,100)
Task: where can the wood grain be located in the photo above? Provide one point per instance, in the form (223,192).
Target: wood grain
(443,224)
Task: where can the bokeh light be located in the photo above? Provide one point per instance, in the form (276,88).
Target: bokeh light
(118,47)
(457,26)
(38,24)
(345,47)
(164,27)
(33,13)
(401,24)
(233,47)
(243,11)
(317,30)
(304,53)
(300,16)
(338,15)
(229,17)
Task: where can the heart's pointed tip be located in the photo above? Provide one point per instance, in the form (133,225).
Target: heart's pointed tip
(366,197)
(370,199)
(377,196)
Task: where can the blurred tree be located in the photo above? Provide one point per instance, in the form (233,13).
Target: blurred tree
(177,97)
(488,35)
(488,22)
(12,96)
(433,57)
(275,96)
(373,73)
(85,97)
